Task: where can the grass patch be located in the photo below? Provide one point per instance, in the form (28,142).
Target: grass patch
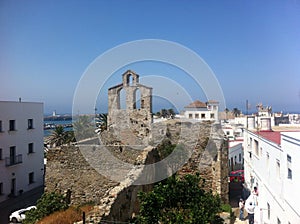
(68,216)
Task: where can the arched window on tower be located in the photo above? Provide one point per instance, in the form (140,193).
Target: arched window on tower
(137,99)
(122,99)
(131,79)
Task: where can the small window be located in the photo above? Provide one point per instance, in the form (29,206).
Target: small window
(197,116)
(1,126)
(31,177)
(1,188)
(289,173)
(234,159)
(1,151)
(190,115)
(203,116)
(212,115)
(256,147)
(278,169)
(240,157)
(30,123)
(289,158)
(12,125)
(30,148)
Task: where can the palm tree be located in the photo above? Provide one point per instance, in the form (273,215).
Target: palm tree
(101,123)
(171,113)
(226,112)
(57,136)
(164,113)
(236,112)
(83,128)
(70,136)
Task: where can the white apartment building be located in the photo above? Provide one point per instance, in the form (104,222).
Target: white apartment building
(21,148)
(200,111)
(271,163)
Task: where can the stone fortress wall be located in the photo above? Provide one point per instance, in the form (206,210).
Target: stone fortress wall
(84,169)
(67,169)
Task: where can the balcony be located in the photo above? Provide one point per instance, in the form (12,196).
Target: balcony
(13,160)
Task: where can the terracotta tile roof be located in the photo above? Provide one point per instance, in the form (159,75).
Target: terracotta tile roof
(196,104)
(273,136)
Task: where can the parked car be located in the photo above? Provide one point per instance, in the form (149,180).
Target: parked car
(236,176)
(19,216)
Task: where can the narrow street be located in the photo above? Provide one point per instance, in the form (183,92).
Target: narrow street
(235,193)
(26,199)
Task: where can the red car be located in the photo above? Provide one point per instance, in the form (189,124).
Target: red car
(236,176)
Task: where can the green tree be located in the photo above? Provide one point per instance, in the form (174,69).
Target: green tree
(179,200)
(46,205)
(101,122)
(226,112)
(57,136)
(70,136)
(171,113)
(83,127)
(164,113)
(236,112)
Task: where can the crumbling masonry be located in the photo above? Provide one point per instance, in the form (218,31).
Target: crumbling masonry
(131,125)
(67,168)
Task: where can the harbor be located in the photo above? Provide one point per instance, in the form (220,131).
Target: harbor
(51,122)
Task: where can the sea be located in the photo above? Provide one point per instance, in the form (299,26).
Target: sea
(56,122)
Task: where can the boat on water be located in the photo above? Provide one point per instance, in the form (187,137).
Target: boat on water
(49,126)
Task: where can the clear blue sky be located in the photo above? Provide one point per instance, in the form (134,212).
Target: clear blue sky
(253,47)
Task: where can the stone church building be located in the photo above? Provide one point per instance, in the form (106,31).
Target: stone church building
(130,125)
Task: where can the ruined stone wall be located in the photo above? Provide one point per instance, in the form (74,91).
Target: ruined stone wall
(67,169)
(209,151)
(120,203)
(133,127)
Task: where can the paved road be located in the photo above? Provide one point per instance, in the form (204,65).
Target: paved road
(22,201)
(235,193)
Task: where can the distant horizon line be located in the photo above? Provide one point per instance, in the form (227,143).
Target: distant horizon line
(249,113)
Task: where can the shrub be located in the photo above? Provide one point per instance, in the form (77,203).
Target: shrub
(179,200)
(47,204)
(226,208)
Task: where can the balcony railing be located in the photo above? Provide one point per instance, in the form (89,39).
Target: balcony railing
(13,160)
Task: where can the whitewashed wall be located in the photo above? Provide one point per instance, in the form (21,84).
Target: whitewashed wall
(20,138)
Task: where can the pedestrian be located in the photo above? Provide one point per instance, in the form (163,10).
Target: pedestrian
(255,191)
(250,210)
(255,196)
(241,206)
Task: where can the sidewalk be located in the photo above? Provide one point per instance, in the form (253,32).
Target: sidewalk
(21,201)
